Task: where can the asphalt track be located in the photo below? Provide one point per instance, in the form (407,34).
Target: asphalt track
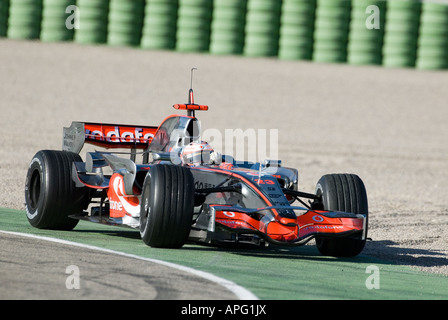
(388,126)
(35,267)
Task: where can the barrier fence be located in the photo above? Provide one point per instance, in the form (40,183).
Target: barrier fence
(392,33)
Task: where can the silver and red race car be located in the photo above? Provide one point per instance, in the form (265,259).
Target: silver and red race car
(182,190)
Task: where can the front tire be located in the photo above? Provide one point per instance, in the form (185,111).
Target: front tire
(347,193)
(50,193)
(167,204)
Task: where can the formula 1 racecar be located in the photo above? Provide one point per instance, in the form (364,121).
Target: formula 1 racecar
(185,191)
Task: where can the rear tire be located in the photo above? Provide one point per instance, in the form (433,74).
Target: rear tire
(167,205)
(347,193)
(50,193)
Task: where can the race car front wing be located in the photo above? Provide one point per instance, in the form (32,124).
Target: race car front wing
(275,229)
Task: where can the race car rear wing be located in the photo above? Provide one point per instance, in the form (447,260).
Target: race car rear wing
(106,136)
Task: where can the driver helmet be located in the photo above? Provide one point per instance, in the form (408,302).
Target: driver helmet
(197,153)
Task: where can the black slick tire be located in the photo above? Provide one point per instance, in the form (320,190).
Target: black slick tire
(50,193)
(347,193)
(167,205)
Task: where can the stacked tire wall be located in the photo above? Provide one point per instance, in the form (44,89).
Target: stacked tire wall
(159,25)
(194,25)
(93,19)
(364,44)
(54,16)
(391,33)
(262,28)
(401,33)
(227,27)
(331,30)
(432,45)
(24,19)
(125,22)
(4,12)
(297,29)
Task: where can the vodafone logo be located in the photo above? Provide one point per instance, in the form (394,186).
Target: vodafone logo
(119,134)
(115,205)
(230,214)
(318,218)
(118,201)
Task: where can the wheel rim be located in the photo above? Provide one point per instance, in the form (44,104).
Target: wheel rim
(34,189)
(144,216)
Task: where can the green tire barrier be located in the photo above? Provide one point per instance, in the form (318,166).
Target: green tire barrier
(125,22)
(401,33)
(54,20)
(297,29)
(24,19)
(193,25)
(159,26)
(432,50)
(366,33)
(411,33)
(4,12)
(93,16)
(331,31)
(262,28)
(227,27)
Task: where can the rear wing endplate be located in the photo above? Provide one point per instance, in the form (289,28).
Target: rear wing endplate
(106,136)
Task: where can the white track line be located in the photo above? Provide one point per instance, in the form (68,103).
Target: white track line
(240,292)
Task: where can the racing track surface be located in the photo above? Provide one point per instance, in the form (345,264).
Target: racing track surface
(386,125)
(32,268)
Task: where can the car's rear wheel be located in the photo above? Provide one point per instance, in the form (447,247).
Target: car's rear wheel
(167,205)
(50,193)
(347,193)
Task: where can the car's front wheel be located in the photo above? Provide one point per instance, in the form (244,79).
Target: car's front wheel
(167,204)
(347,193)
